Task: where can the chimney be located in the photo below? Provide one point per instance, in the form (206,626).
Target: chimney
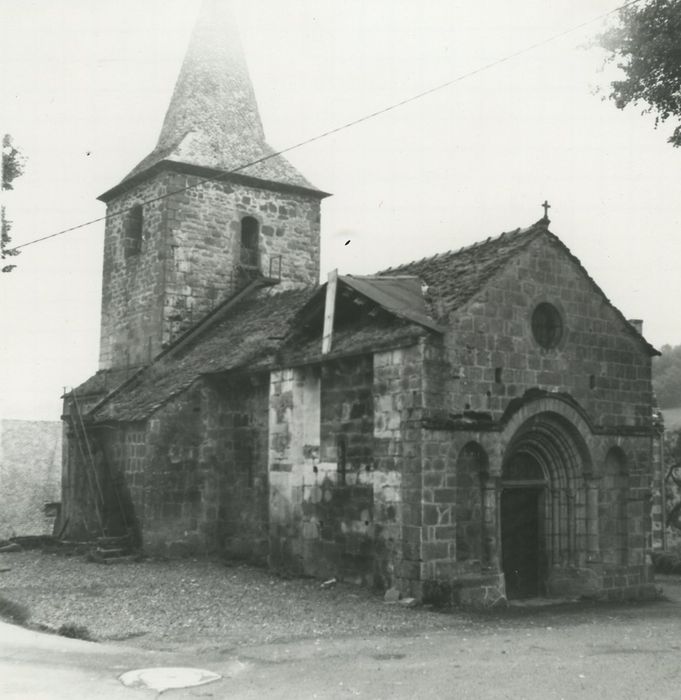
(637,323)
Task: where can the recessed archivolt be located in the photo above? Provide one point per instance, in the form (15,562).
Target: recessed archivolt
(555,434)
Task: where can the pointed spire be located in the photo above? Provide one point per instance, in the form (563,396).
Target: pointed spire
(213,95)
(213,120)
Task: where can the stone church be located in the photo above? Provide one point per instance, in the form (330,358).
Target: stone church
(470,427)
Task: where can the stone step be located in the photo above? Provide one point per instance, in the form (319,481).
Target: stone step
(113,541)
(112,552)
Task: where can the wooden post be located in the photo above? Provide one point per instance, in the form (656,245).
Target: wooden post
(329,309)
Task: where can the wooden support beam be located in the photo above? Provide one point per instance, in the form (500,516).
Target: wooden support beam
(329,309)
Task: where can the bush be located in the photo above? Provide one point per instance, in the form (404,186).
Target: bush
(75,632)
(666,563)
(13,612)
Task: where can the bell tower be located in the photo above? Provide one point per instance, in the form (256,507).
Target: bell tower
(207,211)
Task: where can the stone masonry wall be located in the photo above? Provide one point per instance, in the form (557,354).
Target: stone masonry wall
(193,478)
(189,257)
(344,478)
(123,455)
(488,362)
(293,462)
(462,527)
(494,358)
(164,486)
(461,477)
(346,419)
(399,386)
(338,504)
(233,455)
(133,285)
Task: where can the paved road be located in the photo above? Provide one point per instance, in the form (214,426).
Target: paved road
(604,652)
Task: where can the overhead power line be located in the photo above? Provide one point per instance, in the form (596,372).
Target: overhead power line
(346,125)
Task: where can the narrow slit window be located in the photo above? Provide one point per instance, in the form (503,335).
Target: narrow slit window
(134,227)
(250,233)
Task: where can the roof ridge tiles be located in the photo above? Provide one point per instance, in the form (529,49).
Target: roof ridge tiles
(540,225)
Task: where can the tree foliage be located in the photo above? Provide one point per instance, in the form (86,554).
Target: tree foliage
(646,45)
(667,377)
(5,240)
(12,168)
(12,163)
(672,467)
(672,448)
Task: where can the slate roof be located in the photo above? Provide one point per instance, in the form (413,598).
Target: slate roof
(102,382)
(248,336)
(213,121)
(353,340)
(456,276)
(256,333)
(401,295)
(263,328)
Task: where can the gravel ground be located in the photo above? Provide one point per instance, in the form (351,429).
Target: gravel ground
(274,638)
(283,638)
(169,604)
(210,606)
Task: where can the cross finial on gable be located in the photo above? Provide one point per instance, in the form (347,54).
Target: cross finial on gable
(546,206)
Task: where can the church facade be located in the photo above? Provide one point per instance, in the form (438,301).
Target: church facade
(470,427)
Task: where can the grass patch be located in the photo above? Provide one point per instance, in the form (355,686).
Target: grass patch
(13,612)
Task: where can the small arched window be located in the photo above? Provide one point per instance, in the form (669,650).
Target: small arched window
(250,233)
(134,225)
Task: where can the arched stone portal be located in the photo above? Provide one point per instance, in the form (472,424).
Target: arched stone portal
(542,503)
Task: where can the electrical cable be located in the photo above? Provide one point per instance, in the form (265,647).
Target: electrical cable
(342,127)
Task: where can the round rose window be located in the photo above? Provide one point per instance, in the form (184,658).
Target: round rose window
(547,325)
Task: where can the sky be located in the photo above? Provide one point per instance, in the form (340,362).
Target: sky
(85,85)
